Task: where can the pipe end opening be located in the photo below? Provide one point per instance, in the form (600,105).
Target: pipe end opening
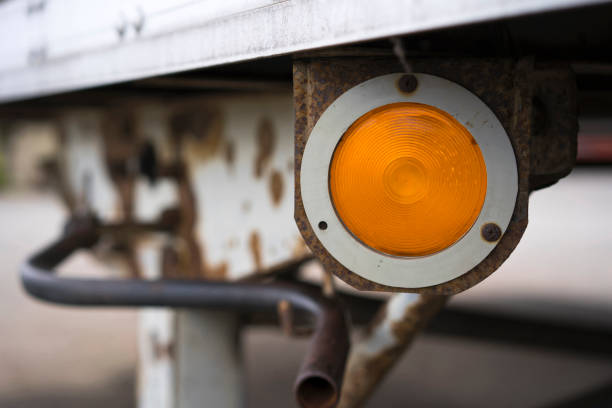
(316,392)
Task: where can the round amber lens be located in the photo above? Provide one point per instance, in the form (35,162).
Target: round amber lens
(407,179)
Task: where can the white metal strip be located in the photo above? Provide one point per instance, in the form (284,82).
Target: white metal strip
(47,50)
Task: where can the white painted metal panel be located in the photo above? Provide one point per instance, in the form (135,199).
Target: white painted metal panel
(244,220)
(71,44)
(84,168)
(239,223)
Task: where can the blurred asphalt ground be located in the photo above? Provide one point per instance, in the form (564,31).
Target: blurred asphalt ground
(53,356)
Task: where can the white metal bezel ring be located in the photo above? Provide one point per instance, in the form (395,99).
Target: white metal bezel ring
(409,272)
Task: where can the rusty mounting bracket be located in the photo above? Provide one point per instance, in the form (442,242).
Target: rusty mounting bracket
(535,103)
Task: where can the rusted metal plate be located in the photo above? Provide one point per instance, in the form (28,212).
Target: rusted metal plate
(239,163)
(555,125)
(504,85)
(225,162)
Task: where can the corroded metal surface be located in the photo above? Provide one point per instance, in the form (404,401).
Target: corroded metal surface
(239,171)
(225,162)
(388,336)
(555,125)
(504,85)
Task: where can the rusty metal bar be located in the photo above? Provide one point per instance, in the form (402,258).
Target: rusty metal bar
(391,332)
(319,380)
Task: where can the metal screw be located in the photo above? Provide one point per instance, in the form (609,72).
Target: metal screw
(407,83)
(491,232)
(322,225)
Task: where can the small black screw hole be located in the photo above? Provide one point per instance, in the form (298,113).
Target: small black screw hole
(322,225)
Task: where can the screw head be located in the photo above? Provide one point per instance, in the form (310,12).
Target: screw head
(491,232)
(407,83)
(322,225)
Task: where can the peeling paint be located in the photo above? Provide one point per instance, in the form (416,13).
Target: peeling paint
(255,245)
(265,144)
(276,187)
(231,202)
(201,134)
(389,335)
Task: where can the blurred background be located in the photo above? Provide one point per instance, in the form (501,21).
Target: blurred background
(54,356)
(157,102)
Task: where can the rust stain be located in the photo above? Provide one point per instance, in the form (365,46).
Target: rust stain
(265,146)
(120,145)
(197,135)
(162,350)
(276,187)
(300,248)
(230,153)
(200,133)
(120,139)
(285,317)
(255,245)
(133,264)
(193,258)
(171,262)
(125,206)
(365,371)
(218,272)
(504,85)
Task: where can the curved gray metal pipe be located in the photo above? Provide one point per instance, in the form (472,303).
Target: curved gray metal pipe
(320,377)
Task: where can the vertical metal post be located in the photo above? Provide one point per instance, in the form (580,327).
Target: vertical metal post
(208,363)
(391,332)
(188,358)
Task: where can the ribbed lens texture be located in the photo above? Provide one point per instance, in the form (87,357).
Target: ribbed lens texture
(408,179)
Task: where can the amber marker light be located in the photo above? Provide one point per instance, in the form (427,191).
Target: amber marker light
(407,179)
(407,184)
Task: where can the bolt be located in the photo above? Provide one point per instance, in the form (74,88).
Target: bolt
(322,225)
(491,232)
(407,83)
